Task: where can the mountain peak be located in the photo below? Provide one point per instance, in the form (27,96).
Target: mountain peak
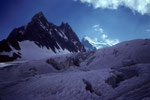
(93,44)
(46,37)
(38,15)
(64,25)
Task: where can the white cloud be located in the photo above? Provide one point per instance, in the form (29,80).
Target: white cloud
(141,6)
(104,37)
(95,26)
(98,29)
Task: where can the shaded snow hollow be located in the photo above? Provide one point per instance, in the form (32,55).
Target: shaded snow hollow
(120,72)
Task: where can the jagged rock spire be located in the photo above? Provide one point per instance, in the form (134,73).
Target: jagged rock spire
(45,34)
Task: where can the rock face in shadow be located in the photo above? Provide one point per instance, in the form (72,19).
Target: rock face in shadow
(5,48)
(43,34)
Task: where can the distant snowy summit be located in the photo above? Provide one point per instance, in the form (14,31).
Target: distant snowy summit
(91,44)
(39,39)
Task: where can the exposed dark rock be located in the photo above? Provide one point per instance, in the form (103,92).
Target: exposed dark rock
(76,62)
(43,34)
(55,64)
(5,58)
(15,44)
(15,56)
(114,80)
(121,75)
(4,46)
(88,86)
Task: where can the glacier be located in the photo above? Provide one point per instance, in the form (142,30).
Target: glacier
(120,72)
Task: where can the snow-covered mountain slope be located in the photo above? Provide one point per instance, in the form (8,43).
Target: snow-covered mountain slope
(120,72)
(91,45)
(44,37)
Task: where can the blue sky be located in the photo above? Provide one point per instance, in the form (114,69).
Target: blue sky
(117,21)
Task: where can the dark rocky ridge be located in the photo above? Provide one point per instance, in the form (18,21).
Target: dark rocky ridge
(43,33)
